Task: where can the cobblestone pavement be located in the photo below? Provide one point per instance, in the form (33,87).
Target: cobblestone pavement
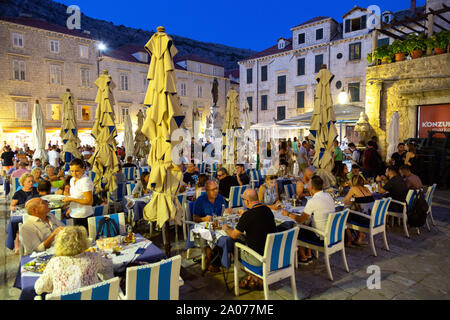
(414,269)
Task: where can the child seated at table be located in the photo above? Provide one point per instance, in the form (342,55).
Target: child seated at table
(72,267)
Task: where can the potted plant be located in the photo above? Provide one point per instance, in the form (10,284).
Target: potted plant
(441,41)
(384,53)
(415,45)
(431,44)
(398,48)
(369,58)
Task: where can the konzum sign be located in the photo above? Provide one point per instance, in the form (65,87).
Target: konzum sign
(434,118)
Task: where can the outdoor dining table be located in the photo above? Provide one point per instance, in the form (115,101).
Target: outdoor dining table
(25,280)
(220,239)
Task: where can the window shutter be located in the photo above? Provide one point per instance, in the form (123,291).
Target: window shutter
(250,103)
(300,99)
(301,66)
(281,84)
(363,22)
(347,25)
(318,62)
(249,75)
(48,112)
(264,102)
(18,110)
(25,111)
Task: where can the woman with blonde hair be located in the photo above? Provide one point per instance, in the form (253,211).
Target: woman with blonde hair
(37,174)
(20,197)
(363,202)
(72,267)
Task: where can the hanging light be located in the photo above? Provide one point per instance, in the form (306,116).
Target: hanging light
(343,97)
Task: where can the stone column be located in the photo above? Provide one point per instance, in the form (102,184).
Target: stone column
(374,44)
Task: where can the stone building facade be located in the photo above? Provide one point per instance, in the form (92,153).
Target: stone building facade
(39,61)
(403,87)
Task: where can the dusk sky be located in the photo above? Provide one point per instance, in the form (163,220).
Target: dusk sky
(255,24)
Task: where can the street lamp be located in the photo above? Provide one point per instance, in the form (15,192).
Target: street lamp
(101,47)
(343,97)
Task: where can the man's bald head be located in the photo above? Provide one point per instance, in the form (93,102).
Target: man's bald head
(251,195)
(307,172)
(32,206)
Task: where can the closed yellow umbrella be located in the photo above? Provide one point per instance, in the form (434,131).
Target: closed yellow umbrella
(163,117)
(68,133)
(323,129)
(104,161)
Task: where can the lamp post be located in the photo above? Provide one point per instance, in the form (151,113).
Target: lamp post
(100,47)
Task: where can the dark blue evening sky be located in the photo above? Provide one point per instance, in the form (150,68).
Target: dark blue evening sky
(254,24)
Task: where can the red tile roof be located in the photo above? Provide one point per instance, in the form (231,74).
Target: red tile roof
(316,19)
(193,57)
(41,24)
(272,50)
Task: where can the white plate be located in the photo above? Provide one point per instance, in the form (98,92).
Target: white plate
(53,197)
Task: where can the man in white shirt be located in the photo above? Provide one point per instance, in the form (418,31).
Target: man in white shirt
(41,228)
(53,157)
(316,213)
(354,153)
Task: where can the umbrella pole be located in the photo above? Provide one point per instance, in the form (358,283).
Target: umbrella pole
(166,239)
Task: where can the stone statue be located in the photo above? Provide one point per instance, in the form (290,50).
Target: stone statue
(362,127)
(215,91)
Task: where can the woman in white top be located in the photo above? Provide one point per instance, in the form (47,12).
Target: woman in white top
(72,267)
(81,194)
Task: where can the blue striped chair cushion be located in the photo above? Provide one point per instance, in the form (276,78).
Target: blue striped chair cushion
(257,270)
(380,210)
(277,250)
(143,279)
(98,211)
(98,293)
(337,226)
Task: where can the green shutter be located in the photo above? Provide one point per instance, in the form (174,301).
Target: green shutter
(300,66)
(353,88)
(250,103)
(363,22)
(300,99)
(318,62)
(281,84)
(281,113)
(347,25)
(249,75)
(264,102)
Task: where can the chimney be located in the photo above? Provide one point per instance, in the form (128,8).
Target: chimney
(413,7)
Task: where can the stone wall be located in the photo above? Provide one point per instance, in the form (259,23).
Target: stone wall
(402,86)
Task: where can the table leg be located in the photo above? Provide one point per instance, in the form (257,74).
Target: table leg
(166,238)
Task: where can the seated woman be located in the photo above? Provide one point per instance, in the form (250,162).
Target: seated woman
(200,186)
(141,186)
(363,203)
(304,185)
(20,197)
(100,199)
(72,267)
(37,174)
(268,193)
(51,175)
(342,180)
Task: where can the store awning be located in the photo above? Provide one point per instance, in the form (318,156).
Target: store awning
(344,113)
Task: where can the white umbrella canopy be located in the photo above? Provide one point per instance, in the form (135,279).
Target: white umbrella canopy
(393,135)
(128,142)
(38,133)
(68,132)
(323,129)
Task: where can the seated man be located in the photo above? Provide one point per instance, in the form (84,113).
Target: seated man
(396,187)
(19,172)
(412,181)
(315,214)
(129,163)
(37,164)
(257,222)
(205,207)
(241,176)
(41,228)
(303,186)
(191,175)
(209,204)
(356,171)
(225,182)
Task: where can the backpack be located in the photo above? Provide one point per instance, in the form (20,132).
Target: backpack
(418,213)
(107,227)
